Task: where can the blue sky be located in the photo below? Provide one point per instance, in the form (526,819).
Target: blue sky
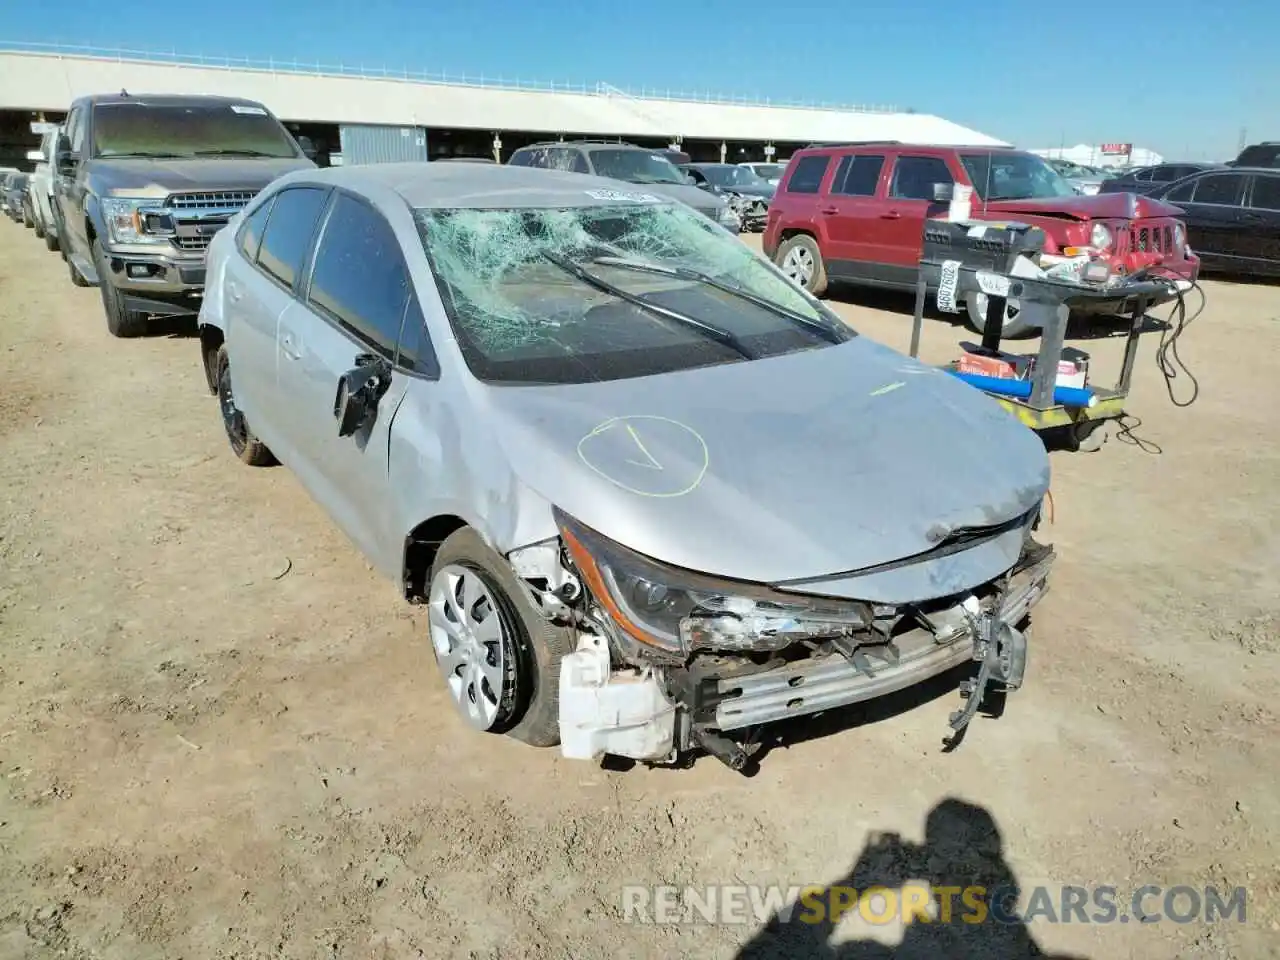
(1180,76)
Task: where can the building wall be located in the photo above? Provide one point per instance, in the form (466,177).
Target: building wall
(34,81)
(364,143)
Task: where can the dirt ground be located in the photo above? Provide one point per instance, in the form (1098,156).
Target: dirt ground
(222,736)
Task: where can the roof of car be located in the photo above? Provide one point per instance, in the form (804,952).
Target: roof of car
(164,99)
(482,185)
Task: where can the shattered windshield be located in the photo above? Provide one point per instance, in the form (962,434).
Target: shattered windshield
(608,292)
(635,166)
(1014,176)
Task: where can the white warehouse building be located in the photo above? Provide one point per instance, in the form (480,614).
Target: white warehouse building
(435,117)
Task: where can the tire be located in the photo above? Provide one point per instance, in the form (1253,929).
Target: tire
(801,260)
(247,448)
(528,706)
(28,219)
(51,241)
(121,322)
(39,228)
(1015,326)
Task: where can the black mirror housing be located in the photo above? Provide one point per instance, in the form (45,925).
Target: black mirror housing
(359,390)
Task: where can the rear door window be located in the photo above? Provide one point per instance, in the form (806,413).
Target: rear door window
(858,176)
(251,232)
(914,177)
(360,279)
(807,175)
(1221,189)
(290,227)
(1266,193)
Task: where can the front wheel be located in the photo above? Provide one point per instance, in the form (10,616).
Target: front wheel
(499,658)
(1015,325)
(121,321)
(801,260)
(248,448)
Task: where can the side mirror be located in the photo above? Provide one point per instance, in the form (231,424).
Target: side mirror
(359,390)
(63,160)
(308,148)
(942,192)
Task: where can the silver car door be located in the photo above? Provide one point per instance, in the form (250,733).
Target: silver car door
(356,300)
(259,287)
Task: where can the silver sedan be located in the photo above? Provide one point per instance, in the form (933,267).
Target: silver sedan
(651,493)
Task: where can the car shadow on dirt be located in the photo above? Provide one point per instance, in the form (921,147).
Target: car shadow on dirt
(962,861)
(174,328)
(897,301)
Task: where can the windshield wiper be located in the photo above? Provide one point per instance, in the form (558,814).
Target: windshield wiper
(237,153)
(145,155)
(709,330)
(684,273)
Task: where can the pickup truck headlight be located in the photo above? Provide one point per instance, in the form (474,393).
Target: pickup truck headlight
(132,220)
(726,216)
(667,612)
(1179,236)
(1100,236)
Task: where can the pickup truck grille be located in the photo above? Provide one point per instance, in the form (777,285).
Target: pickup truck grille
(1152,236)
(198,216)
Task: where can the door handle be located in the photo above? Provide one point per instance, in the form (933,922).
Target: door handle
(288,347)
(891,215)
(829,211)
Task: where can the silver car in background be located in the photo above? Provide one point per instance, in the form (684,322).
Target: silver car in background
(651,493)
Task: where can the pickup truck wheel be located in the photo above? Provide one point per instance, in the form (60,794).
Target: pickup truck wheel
(76,279)
(244,444)
(28,218)
(51,240)
(500,659)
(801,260)
(39,228)
(1015,327)
(121,322)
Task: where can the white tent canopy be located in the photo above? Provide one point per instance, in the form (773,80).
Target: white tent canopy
(1092,155)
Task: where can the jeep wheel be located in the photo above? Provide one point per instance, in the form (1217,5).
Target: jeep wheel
(499,657)
(801,260)
(244,444)
(121,322)
(1015,326)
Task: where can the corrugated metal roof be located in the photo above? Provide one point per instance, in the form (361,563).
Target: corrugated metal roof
(39,81)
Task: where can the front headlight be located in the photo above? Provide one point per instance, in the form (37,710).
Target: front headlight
(135,220)
(1100,236)
(728,217)
(668,613)
(1179,236)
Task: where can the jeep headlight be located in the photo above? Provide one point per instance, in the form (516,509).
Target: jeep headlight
(1179,236)
(666,612)
(136,220)
(1100,236)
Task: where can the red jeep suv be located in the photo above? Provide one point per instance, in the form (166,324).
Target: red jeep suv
(856,212)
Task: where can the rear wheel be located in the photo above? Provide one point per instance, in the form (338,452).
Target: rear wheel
(51,240)
(499,658)
(28,218)
(801,260)
(244,444)
(1015,325)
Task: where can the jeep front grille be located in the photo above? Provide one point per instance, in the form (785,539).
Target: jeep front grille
(1152,236)
(198,216)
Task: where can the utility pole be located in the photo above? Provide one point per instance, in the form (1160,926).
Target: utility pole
(1244,140)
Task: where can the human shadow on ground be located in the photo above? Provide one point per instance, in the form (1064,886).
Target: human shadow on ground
(962,850)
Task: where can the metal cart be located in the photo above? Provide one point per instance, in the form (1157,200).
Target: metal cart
(1051,303)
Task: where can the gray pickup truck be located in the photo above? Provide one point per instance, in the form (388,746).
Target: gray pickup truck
(142,184)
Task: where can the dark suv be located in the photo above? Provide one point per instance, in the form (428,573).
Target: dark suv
(142,184)
(1264,154)
(856,213)
(651,169)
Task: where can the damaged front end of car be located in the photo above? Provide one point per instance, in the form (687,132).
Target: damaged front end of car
(670,661)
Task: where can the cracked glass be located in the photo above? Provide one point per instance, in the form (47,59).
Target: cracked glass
(532,296)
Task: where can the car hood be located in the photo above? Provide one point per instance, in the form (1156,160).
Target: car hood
(695,197)
(159,178)
(752,190)
(825,461)
(1105,206)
